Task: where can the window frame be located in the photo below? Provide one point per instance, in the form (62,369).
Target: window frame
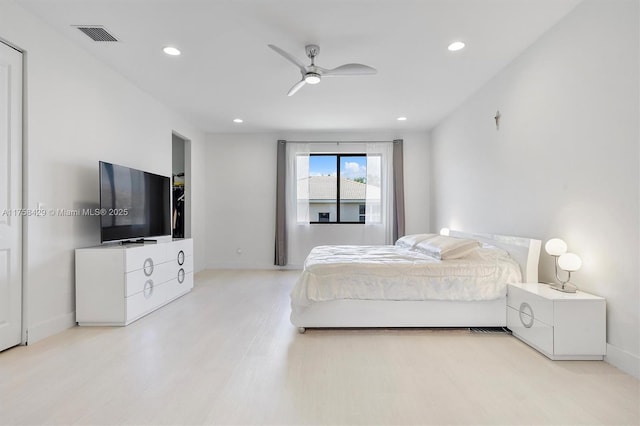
(338,158)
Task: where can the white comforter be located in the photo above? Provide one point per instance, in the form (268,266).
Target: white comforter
(396,273)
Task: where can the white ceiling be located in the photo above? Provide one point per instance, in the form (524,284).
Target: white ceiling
(226,69)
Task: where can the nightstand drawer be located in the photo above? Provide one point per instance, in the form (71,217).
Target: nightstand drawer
(540,308)
(536,333)
(560,325)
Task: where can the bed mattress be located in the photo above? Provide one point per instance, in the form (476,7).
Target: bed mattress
(397,273)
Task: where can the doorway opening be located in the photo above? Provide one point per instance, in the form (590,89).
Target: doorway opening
(181,186)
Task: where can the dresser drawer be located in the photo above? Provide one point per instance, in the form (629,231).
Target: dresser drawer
(150,298)
(186,266)
(181,275)
(179,286)
(179,251)
(135,280)
(540,308)
(155,295)
(145,257)
(532,331)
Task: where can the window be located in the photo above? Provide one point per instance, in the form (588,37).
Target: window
(337,187)
(383,203)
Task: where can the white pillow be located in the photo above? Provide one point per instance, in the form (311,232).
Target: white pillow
(443,248)
(410,241)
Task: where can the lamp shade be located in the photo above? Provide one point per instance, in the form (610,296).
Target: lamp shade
(555,247)
(570,262)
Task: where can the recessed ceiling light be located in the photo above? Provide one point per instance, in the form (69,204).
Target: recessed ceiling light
(402,119)
(456,45)
(171,51)
(238,120)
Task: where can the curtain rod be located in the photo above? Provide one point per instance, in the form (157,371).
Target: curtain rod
(338,142)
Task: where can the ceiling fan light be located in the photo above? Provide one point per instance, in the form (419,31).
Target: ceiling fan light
(312,78)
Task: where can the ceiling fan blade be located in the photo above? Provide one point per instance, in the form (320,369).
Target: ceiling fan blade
(289,57)
(296,87)
(351,69)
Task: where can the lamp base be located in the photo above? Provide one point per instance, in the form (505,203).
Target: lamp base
(565,288)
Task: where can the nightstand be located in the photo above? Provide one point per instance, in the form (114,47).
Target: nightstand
(563,326)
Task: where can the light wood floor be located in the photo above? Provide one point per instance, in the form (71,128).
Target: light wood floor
(227,354)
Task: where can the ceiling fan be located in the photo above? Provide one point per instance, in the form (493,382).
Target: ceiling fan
(312,73)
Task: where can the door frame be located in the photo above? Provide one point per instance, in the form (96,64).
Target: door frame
(23,192)
(187,182)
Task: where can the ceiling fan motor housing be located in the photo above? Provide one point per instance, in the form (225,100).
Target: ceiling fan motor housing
(312,50)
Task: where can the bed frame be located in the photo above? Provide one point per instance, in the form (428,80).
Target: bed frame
(347,313)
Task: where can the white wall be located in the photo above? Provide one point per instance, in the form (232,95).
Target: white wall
(77,113)
(565,161)
(177,154)
(241,188)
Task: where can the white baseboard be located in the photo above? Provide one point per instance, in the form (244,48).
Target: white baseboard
(50,327)
(623,360)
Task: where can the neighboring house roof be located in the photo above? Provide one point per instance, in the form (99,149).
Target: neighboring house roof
(324,188)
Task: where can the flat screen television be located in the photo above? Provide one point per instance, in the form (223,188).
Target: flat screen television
(135,205)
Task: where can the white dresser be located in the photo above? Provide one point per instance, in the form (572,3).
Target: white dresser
(563,326)
(117,284)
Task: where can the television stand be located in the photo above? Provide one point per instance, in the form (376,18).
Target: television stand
(116,285)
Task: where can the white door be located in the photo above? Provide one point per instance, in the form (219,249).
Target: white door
(10,196)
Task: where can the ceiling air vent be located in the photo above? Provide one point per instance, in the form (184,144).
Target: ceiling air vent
(96,32)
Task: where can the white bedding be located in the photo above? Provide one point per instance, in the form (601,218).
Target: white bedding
(397,273)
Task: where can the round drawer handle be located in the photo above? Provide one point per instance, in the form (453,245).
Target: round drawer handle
(180,257)
(148,266)
(181,276)
(525,306)
(148,289)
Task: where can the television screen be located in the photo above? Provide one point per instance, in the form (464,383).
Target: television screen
(134,204)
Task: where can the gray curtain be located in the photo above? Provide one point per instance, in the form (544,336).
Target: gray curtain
(398,190)
(281,203)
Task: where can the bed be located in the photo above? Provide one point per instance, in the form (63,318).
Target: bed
(409,285)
